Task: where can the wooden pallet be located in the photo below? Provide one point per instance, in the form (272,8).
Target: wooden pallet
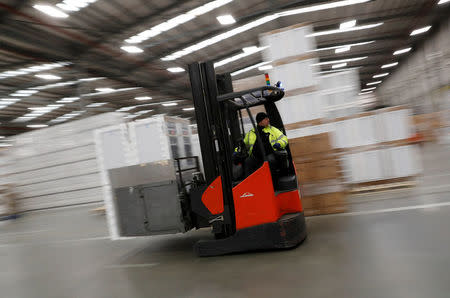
(100,210)
(383,185)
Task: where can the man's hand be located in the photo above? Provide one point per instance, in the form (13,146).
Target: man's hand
(277,146)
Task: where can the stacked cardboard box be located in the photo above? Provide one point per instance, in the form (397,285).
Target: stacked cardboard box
(319,174)
(428,125)
(8,200)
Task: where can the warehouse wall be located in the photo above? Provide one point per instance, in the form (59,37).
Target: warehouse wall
(422,79)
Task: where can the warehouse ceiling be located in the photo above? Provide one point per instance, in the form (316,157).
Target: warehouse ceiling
(76,62)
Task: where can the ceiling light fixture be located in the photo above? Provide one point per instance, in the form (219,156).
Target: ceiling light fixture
(342,49)
(420,30)
(443,2)
(96,104)
(226,19)
(265,67)
(188,109)
(399,52)
(342,46)
(176,21)
(143,98)
(347,25)
(132,49)
(339,65)
(246,52)
(68,99)
(104,89)
(109,91)
(67,7)
(215,39)
(374,83)
(340,61)
(364,93)
(381,75)
(37,125)
(249,68)
(337,31)
(47,77)
(34,68)
(175,69)
(368,89)
(390,65)
(171,104)
(51,11)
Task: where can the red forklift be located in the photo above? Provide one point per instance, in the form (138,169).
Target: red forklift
(250,205)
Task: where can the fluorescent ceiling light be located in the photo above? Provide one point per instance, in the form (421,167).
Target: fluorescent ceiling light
(47,77)
(67,7)
(5,145)
(132,49)
(347,25)
(340,61)
(104,89)
(176,21)
(340,65)
(381,75)
(96,105)
(91,79)
(51,11)
(420,30)
(342,49)
(246,52)
(251,50)
(226,19)
(68,99)
(390,65)
(321,7)
(143,98)
(67,83)
(37,125)
(364,93)
(170,104)
(374,83)
(256,23)
(2,137)
(109,90)
(342,46)
(443,2)
(175,69)
(265,67)
(10,99)
(399,52)
(34,68)
(188,109)
(336,31)
(368,89)
(27,91)
(249,68)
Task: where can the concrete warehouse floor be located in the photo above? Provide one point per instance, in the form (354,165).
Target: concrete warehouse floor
(392,244)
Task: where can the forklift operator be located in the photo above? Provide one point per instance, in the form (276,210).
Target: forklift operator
(272,138)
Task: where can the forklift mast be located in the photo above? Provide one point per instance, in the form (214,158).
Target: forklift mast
(211,126)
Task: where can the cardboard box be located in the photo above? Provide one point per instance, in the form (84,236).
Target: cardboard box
(312,144)
(318,170)
(325,204)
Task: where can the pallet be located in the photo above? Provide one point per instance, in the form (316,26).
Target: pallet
(383,185)
(100,210)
